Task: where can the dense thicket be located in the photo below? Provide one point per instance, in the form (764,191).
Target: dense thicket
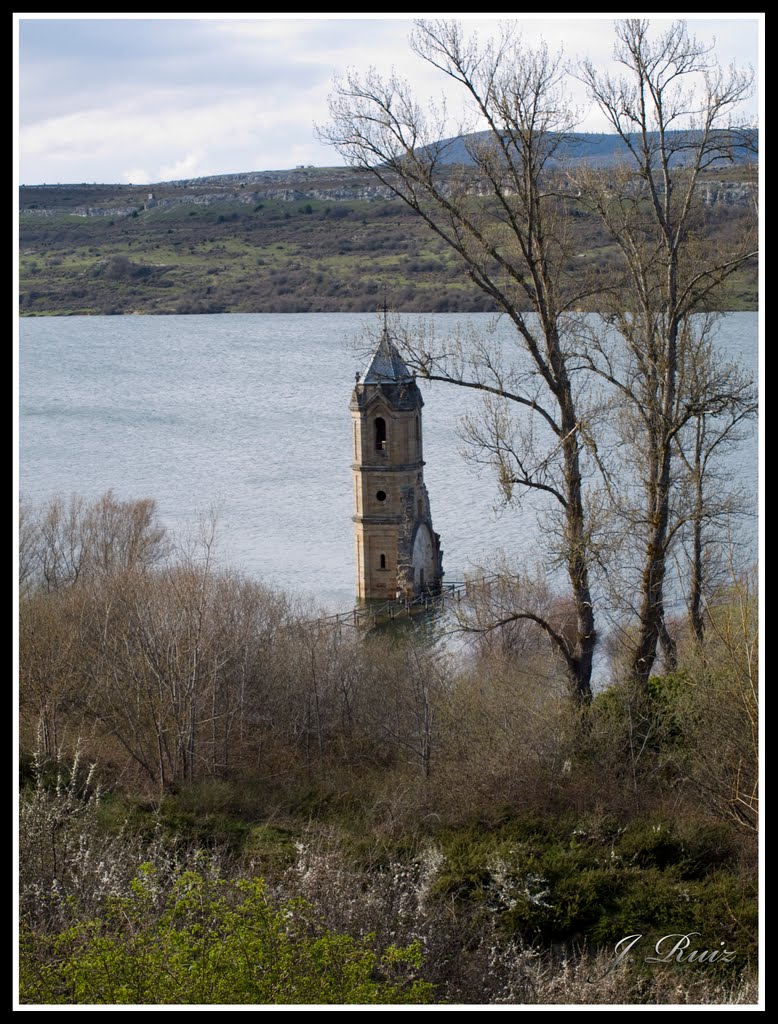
(410,795)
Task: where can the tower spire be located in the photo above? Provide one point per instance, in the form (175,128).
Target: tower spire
(386,364)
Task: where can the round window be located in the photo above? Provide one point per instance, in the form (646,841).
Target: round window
(381,496)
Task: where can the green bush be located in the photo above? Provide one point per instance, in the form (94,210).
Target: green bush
(212,942)
(652,844)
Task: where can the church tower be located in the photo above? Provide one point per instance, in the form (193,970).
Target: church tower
(398,553)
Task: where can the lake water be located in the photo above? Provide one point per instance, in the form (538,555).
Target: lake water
(249,413)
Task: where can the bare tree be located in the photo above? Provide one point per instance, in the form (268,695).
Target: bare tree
(67,541)
(50,686)
(671,109)
(29,543)
(505,215)
(710,506)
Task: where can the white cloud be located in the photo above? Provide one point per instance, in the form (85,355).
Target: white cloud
(134,176)
(188,166)
(204,96)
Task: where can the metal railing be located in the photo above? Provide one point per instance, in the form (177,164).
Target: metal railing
(372,615)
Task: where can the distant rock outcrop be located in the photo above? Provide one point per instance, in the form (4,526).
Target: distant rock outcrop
(712,192)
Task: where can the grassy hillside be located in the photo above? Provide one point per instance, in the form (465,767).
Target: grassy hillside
(222,246)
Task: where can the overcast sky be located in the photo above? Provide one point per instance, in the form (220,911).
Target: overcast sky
(120,99)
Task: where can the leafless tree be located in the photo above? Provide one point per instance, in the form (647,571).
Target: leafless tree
(711,505)
(505,215)
(671,108)
(66,541)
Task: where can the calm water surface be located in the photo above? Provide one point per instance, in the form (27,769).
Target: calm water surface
(249,413)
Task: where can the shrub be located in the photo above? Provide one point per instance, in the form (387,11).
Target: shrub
(212,941)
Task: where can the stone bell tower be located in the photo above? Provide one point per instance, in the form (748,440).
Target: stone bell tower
(398,553)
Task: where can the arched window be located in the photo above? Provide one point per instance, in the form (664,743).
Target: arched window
(380,434)
(383,561)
